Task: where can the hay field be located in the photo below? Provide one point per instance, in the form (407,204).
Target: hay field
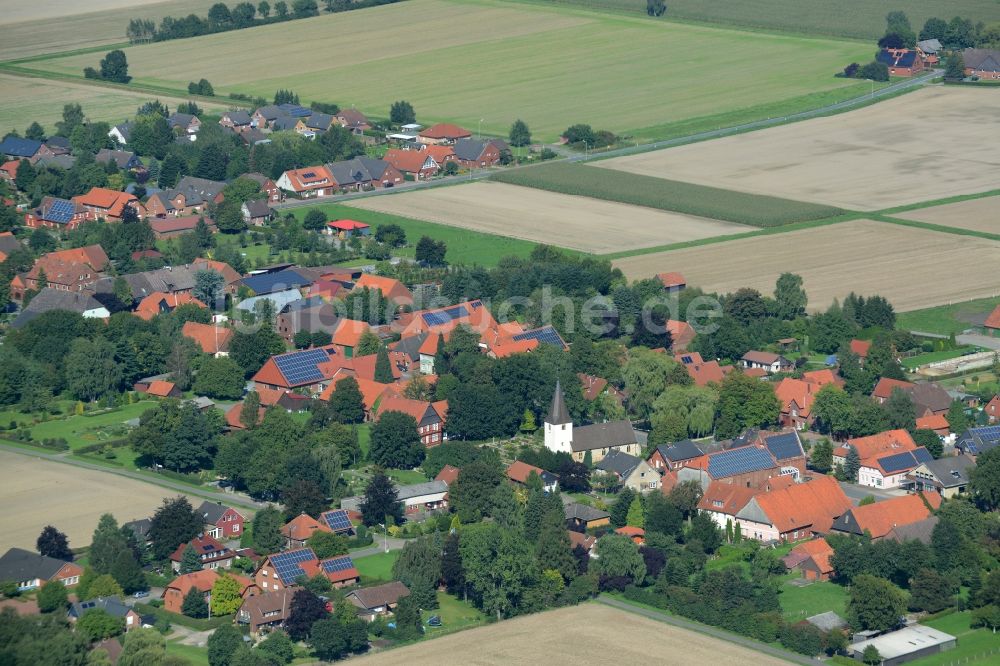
(34,28)
(930,144)
(27,99)
(591,633)
(466,60)
(974,214)
(914,268)
(35,493)
(578,223)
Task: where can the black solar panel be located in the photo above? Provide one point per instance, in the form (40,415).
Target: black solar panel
(337,520)
(784,446)
(897,462)
(445,316)
(309,174)
(60,211)
(338,564)
(301,367)
(545,334)
(686,360)
(286,565)
(922,455)
(739,461)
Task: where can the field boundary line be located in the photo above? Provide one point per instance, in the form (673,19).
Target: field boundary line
(930,226)
(175,486)
(708,630)
(934,203)
(757,231)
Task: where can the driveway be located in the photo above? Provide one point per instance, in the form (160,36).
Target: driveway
(856,493)
(378,546)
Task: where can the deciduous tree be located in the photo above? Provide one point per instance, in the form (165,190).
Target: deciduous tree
(380,501)
(53,543)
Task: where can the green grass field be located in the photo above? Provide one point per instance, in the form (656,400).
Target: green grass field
(798,603)
(464,247)
(196,656)
(946,319)
(751,209)
(83,430)
(497,61)
(455,614)
(861,19)
(975,646)
(913,362)
(377,567)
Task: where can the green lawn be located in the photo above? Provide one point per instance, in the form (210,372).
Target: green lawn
(861,19)
(946,319)
(464,246)
(406,476)
(196,656)
(551,66)
(798,603)
(913,362)
(455,614)
(376,567)
(83,430)
(973,644)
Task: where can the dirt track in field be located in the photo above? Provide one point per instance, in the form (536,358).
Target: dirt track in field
(35,493)
(579,223)
(913,268)
(587,634)
(930,144)
(975,214)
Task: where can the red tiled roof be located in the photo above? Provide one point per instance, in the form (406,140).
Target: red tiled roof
(993,320)
(407,161)
(520,471)
(233,416)
(933,422)
(349,332)
(821,377)
(371,390)
(394,403)
(90,255)
(211,339)
(819,551)
(309,178)
(149,307)
(681,332)
(585,541)
(203,543)
(445,131)
(448,474)
(890,441)
(204,580)
(112,201)
(814,504)
(885,387)
(227,272)
(672,280)
(861,347)
(391,288)
(881,517)
(160,388)
(346,225)
(727,498)
(302,526)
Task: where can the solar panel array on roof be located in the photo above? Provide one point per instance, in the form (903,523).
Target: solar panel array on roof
(445,316)
(898,462)
(286,565)
(686,360)
(978,436)
(784,446)
(739,461)
(301,367)
(338,564)
(922,455)
(337,520)
(544,335)
(60,211)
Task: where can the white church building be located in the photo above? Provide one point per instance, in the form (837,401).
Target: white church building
(598,438)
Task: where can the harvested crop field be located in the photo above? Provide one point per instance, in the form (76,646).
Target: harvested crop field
(930,144)
(578,223)
(589,633)
(913,268)
(503,61)
(974,215)
(28,99)
(36,492)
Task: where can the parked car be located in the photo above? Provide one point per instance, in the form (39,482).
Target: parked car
(141,594)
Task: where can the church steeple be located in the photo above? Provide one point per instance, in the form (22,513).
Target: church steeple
(558,414)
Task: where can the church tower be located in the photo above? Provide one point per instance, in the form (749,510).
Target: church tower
(558,424)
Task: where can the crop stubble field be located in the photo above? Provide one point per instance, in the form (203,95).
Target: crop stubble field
(579,223)
(36,492)
(28,99)
(500,61)
(974,214)
(571,636)
(913,268)
(930,144)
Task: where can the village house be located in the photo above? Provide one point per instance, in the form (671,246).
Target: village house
(236,118)
(72,270)
(391,289)
(787,511)
(121,134)
(212,553)
(769,362)
(221,521)
(682,334)
(191,195)
(672,282)
(448,474)
(975,441)
(308,182)
(889,441)
(889,470)
(812,558)
(443,133)
(344,229)
(281,570)
(519,472)
(8,245)
(157,389)
(49,299)
(596,386)
(673,456)
(629,471)
(363,173)
(273,193)
(429,416)
(18,148)
(473,154)
(982,63)
(353,120)
(257,212)
(264,612)
(797,396)
(102,203)
(184,123)
(880,518)
(702,372)
(300,529)
(583,517)
(417,497)
(31,571)
(442,153)
(160,302)
(901,62)
(749,466)
(123,159)
(948,476)
(269,283)
(312,314)
(113,606)
(178,588)
(414,163)
(306,369)
(597,439)
(279,116)
(56,213)
(372,602)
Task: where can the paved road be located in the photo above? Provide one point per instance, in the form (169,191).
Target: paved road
(707,630)
(378,546)
(856,493)
(237,499)
(628,150)
(978,340)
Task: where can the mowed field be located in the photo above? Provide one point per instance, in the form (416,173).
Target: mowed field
(465,60)
(974,214)
(913,268)
(579,223)
(28,99)
(36,493)
(930,144)
(590,633)
(33,28)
